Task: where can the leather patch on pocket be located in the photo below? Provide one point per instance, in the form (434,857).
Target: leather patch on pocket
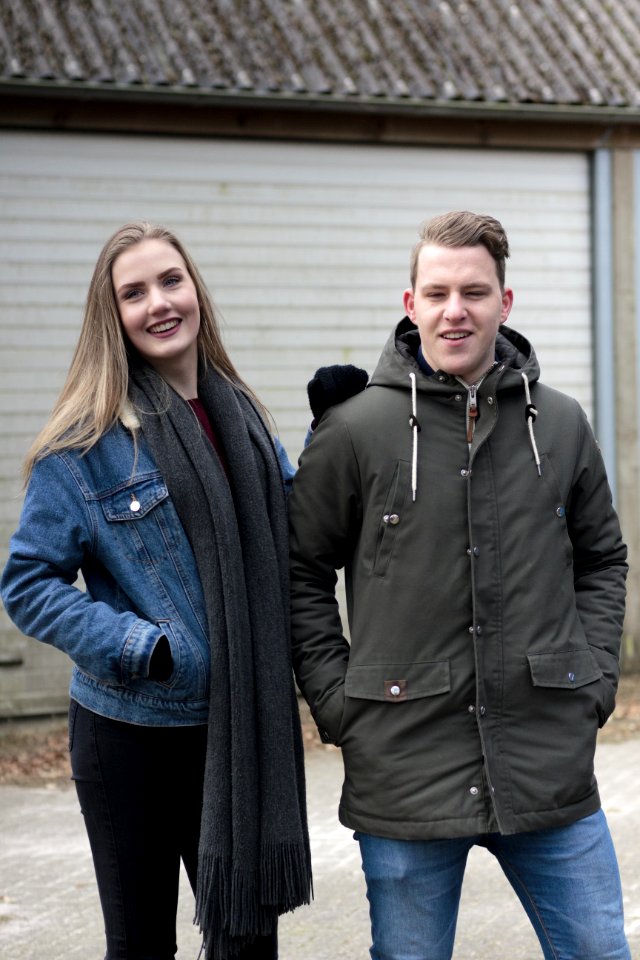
(395,690)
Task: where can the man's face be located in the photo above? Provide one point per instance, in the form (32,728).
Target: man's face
(458,306)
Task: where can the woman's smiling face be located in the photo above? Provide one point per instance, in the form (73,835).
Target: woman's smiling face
(158,304)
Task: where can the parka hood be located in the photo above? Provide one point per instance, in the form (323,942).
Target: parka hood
(516,368)
(399,358)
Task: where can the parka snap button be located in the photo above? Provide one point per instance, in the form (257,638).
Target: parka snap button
(394,690)
(471,708)
(478,630)
(391,518)
(560,511)
(482,711)
(476,551)
(470,629)
(458,397)
(490,400)
(473,791)
(572,677)
(464,473)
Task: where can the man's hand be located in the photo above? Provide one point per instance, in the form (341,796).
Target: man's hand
(332,385)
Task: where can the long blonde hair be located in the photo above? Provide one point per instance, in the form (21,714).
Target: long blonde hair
(95,392)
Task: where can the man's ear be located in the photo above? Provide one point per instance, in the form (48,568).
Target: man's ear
(507,303)
(409,302)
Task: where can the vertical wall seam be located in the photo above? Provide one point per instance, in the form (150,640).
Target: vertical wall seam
(604,350)
(636,277)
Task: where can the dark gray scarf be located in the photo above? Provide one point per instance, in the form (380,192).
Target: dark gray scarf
(254,861)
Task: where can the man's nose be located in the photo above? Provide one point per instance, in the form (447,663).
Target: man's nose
(455,307)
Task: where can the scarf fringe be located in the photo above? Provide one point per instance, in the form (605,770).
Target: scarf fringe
(233,906)
(286,880)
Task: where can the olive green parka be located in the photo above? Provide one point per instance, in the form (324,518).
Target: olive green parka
(485,591)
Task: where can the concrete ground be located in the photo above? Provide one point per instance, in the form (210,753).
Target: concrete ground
(49,907)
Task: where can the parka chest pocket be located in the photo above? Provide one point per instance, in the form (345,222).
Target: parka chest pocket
(134,516)
(392,517)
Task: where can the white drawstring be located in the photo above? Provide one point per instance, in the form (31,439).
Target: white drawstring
(415,426)
(531,413)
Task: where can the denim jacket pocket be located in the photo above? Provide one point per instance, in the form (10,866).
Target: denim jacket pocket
(136,514)
(189,676)
(167,630)
(134,500)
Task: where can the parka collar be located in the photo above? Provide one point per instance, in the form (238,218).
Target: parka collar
(398,367)
(399,358)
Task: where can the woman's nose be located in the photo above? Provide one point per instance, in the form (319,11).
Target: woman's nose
(157,300)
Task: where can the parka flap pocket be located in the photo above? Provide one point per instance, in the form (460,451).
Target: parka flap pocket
(396,682)
(567,669)
(135,500)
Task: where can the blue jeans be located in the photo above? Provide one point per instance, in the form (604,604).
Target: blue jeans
(567,880)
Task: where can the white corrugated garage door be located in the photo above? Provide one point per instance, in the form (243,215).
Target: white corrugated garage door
(304,246)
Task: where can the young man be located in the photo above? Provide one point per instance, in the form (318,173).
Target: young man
(485,577)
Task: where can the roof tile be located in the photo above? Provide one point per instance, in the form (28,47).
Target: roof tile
(515,52)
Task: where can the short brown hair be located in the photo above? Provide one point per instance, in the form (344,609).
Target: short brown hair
(460,228)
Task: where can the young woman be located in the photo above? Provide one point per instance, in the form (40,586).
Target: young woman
(158,479)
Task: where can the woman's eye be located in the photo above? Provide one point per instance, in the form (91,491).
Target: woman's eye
(131,294)
(171,281)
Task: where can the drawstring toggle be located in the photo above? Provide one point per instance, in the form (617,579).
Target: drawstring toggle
(531,413)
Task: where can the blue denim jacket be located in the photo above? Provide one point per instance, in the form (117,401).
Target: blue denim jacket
(108,514)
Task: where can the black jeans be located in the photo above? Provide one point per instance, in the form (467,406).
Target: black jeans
(140,790)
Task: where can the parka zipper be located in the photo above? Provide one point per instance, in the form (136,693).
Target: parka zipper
(472,411)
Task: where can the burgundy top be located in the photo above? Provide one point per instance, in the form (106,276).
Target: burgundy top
(201,414)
